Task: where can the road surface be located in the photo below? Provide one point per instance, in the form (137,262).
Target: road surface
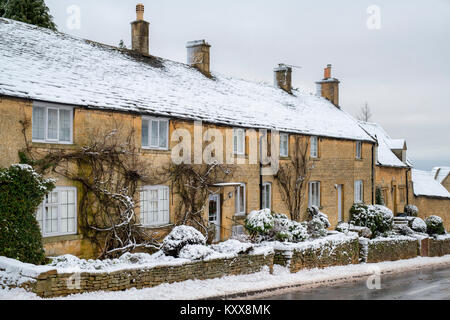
(427,284)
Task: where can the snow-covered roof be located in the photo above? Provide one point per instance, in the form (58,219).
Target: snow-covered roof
(425,185)
(41,64)
(440,173)
(385,145)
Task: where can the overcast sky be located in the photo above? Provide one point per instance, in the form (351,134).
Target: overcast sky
(401,69)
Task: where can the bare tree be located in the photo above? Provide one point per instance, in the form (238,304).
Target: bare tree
(365,114)
(293,176)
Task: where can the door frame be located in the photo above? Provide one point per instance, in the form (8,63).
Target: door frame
(218,222)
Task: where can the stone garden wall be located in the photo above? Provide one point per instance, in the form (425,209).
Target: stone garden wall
(319,255)
(431,247)
(388,249)
(54,284)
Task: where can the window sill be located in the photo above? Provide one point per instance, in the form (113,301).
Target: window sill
(359,159)
(67,237)
(314,159)
(160,151)
(285,158)
(53,145)
(162,226)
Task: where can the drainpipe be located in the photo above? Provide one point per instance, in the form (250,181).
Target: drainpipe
(260,175)
(407,186)
(373,173)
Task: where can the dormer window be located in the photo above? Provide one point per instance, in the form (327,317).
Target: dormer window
(358,149)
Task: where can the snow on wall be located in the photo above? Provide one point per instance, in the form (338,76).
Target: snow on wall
(40,64)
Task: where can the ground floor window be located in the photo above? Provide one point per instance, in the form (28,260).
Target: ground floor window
(267,195)
(57,215)
(314,194)
(154,206)
(240,199)
(359,191)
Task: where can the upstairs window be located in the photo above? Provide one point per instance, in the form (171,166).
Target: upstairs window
(155,133)
(239,141)
(314,147)
(358,149)
(57,214)
(154,206)
(284,144)
(359,191)
(314,194)
(240,199)
(52,123)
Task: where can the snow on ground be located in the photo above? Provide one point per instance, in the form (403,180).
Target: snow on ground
(261,281)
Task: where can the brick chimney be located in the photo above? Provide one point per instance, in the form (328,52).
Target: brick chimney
(140,32)
(198,56)
(328,87)
(283,77)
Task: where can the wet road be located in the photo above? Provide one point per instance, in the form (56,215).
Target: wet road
(428,284)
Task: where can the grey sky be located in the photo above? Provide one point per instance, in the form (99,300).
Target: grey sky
(402,70)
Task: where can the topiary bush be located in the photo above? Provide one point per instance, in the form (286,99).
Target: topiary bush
(411,210)
(22,190)
(435,225)
(260,222)
(419,225)
(180,237)
(377,218)
(318,223)
(379,196)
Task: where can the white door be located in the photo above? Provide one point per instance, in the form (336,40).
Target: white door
(339,191)
(214,214)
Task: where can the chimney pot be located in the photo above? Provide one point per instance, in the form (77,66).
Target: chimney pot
(139,12)
(327,73)
(329,87)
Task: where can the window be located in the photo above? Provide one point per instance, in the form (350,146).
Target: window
(266,195)
(155,133)
(359,191)
(385,196)
(240,199)
(57,215)
(52,123)
(314,147)
(236,231)
(314,194)
(284,145)
(154,206)
(239,141)
(402,192)
(358,149)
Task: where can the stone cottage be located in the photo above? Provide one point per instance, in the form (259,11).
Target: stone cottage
(57,92)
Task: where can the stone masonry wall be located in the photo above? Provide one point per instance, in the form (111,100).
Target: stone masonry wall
(390,250)
(319,257)
(54,284)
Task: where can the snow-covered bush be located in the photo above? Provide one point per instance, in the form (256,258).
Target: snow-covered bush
(22,190)
(411,210)
(260,222)
(179,237)
(195,252)
(274,226)
(343,227)
(419,225)
(435,225)
(318,223)
(404,230)
(377,218)
(287,230)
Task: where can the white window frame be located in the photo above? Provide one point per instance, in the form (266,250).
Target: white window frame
(237,143)
(316,154)
(42,206)
(238,195)
(149,137)
(266,186)
(284,136)
(52,106)
(358,150)
(359,191)
(164,221)
(310,194)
